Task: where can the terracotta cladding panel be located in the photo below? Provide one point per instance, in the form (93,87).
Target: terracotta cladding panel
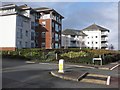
(7,49)
(48,32)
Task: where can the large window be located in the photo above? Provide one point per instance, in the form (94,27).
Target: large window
(43,34)
(26,44)
(33,25)
(56,27)
(19,21)
(26,33)
(56,45)
(32,36)
(43,44)
(20,33)
(32,45)
(56,37)
(52,24)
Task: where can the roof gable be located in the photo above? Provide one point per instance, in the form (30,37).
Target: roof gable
(96,27)
(73,32)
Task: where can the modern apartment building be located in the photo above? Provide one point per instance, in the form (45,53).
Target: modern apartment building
(17,29)
(93,37)
(73,38)
(48,33)
(97,37)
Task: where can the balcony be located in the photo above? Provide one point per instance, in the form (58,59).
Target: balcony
(104,40)
(73,45)
(104,45)
(104,34)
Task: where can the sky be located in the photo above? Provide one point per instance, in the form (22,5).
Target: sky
(79,15)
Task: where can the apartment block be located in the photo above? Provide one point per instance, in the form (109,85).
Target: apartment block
(48,33)
(93,37)
(72,38)
(97,37)
(17,28)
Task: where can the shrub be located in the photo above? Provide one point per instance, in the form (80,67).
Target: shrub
(74,54)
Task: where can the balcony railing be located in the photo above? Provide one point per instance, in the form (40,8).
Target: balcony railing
(104,39)
(104,45)
(104,34)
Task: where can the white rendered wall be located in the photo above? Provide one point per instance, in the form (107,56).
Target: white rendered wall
(92,38)
(8,31)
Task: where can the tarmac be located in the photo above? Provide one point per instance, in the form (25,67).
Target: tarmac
(86,76)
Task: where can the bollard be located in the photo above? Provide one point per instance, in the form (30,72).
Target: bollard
(61,66)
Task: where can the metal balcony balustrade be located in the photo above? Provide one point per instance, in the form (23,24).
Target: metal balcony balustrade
(104,34)
(104,45)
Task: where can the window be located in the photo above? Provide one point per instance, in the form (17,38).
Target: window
(26,33)
(96,47)
(19,44)
(43,34)
(33,25)
(37,34)
(72,35)
(32,45)
(96,42)
(53,35)
(56,37)
(92,42)
(43,44)
(26,44)
(20,33)
(83,43)
(88,37)
(52,24)
(88,42)
(32,36)
(92,36)
(20,21)
(95,36)
(56,45)
(56,27)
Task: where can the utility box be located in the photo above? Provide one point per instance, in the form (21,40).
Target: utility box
(61,66)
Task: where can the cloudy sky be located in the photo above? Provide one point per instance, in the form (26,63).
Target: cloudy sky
(79,15)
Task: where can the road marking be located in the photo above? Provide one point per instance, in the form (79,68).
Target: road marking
(81,66)
(108,80)
(70,65)
(96,79)
(97,75)
(114,66)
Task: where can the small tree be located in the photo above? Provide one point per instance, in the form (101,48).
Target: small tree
(111,47)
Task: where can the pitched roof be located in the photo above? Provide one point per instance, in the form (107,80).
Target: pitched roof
(46,9)
(95,27)
(43,8)
(73,32)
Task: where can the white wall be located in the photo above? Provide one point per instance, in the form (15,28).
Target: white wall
(92,38)
(8,31)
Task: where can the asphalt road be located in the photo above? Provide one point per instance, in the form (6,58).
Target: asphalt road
(18,74)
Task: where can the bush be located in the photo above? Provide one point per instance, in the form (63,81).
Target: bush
(74,54)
